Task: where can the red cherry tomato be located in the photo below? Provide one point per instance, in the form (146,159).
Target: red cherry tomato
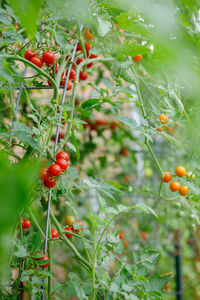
(81,229)
(54,233)
(89,65)
(43,174)
(63,155)
(79,60)
(29,54)
(137,58)
(144,235)
(121,235)
(72,74)
(62,163)
(49,182)
(79,48)
(83,76)
(68,235)
(48,57)
(44,258)
(49,83)
(26,224)
(93,56)
(54,170)
(69,85)
(37,61)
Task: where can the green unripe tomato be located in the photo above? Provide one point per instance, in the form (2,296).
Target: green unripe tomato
(148,172)
(180,213)
(177,205)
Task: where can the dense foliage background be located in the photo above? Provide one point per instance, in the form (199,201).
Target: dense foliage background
(119,148)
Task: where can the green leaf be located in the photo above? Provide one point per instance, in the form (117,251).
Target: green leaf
(103,26)
(34,240)
(89,103)
(128,121)
(21,251)
(158,282)
(28,12)
(124,71)
(23,133)
(130,49)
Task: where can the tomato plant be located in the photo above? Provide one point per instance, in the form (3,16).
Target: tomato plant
(99,157)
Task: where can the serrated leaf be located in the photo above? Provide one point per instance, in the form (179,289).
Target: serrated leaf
(128,121)
(103,26)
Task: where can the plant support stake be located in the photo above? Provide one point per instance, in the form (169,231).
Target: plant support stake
(54,151)
(17,106)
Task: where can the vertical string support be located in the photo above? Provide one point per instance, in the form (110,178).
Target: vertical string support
(177,256)
(54,151)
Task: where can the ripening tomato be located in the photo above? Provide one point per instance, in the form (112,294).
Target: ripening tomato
(174,186)
(167,287)
(144,235)
(91,57)
(62,163)
(121,235)
(184,190)
(125,244)
(100,122)
(48,57)
(88,36)
(49,83)
(69,220)
(180,171)
(88,47)
(72,74)
(125,152)
(78,48)
(54,170)
(68,235)
(79,60)
(190,175)
(43,174)
(29,54)
(83,76)
(25,224)
(113,125)
(37,61)
(44,258)
(81,224)
(137,58)
(159,129)
(43,162)
(167,177)
(63,155)
(163,119)
(69,85)
(49,182)
(54,233)
(126,178)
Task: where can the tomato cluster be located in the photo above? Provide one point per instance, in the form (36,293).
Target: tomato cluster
(48,58)
(61,164)
(175,185)
(121,236)
(69,221)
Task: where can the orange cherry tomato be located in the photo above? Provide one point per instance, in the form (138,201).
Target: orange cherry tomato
(184,190)
(180,171)
(167,177)
(174,186)
(125,244)
(88,36)
(163,119)
(137,58)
